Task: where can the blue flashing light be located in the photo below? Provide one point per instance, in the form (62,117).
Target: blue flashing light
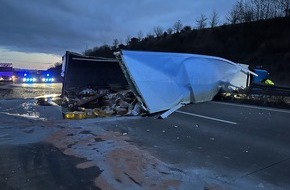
(47,75)
(25,74)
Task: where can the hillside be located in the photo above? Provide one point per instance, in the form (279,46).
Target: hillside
(264,43)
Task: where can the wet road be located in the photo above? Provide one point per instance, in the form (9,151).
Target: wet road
(23,90)
(26,161)
(42,166)
(212,146)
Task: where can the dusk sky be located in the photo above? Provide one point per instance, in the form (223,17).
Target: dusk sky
(34,34)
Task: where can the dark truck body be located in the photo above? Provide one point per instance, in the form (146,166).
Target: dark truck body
(81,72)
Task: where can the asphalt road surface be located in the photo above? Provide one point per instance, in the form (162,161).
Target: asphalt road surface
(42,166)
(28,90)
(236,146)
(207,146)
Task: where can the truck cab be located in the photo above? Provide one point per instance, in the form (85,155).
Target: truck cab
(262,76)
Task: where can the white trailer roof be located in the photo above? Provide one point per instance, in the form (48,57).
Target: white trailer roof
(165,80)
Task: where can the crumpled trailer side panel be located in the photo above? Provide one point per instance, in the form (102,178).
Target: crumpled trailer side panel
(165,80)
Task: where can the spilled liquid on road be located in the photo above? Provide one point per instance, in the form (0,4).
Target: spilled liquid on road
(42,166)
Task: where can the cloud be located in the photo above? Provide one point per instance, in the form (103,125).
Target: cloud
(29,60)
(54,26)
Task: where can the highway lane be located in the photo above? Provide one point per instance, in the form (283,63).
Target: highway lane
(242,147)
(28,90)
(230,145)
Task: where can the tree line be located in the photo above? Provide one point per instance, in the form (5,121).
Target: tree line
(242,11)
(254,10)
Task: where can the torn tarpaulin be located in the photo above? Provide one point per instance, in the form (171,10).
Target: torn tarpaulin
(162,81)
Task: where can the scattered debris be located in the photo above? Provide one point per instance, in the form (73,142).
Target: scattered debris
(197,125)
(175,126)
(43,101)
(69,115)
(170,111)
(90,103)
(212,139)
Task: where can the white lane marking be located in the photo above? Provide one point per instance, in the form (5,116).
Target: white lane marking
(253,107)
(206,117)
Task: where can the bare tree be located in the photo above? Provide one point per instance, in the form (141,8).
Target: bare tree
(269,9)
(247,13)
(149,35)
(214,19)
(284,6)
(140,35)
(115,43)
(201,22)
(128,39)
(250,10)
(265,9)
(257,6)
(233,16)
(177,26)
(241,12)
(169,30)
(158,31)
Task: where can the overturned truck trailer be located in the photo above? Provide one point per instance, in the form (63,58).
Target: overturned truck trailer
(160,81)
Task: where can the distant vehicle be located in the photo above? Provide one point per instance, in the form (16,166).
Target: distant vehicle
(33,76)
(6,72)
(47,78)
(29,78)
(37,78)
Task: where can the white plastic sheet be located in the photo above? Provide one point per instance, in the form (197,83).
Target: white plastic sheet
(164,80)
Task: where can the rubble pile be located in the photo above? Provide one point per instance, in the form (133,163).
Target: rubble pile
(89,103)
